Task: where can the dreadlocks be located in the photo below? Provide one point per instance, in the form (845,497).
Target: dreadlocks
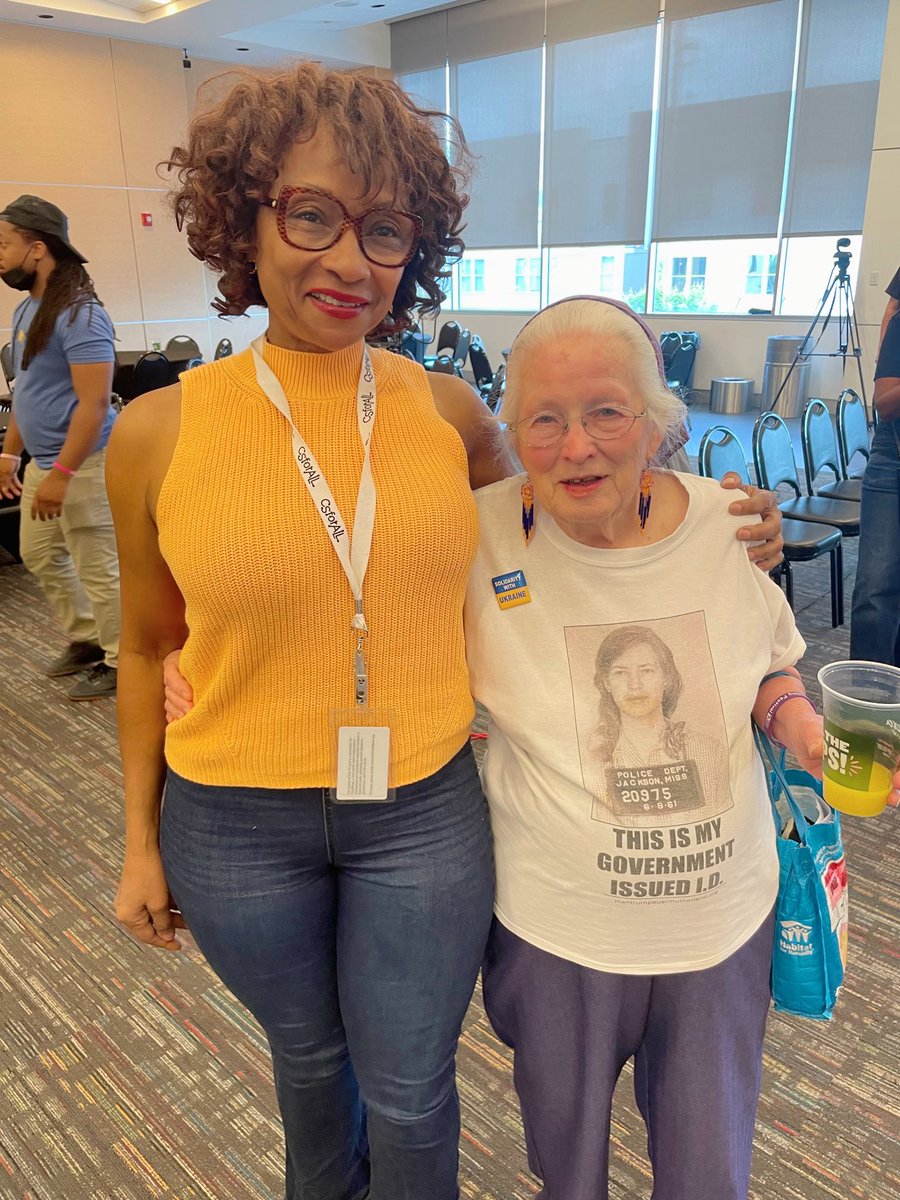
(69,286)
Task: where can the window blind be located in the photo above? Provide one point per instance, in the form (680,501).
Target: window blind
(727,75)
(495,51)
(834,122)
(600,62)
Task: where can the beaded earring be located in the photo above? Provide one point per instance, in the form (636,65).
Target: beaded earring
(645,497)
(527,511)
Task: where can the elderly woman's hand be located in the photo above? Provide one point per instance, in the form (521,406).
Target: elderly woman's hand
(759,502)
(799,728)
(179,694)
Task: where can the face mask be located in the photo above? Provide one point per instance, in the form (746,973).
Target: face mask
(19,278)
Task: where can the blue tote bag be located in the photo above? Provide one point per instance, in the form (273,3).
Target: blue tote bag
(810,950)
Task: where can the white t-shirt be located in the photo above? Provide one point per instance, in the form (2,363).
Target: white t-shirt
(631,822)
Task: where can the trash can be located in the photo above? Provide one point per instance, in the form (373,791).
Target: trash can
(781,351)
(729,394)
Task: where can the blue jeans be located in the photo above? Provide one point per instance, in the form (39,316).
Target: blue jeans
(875,619)
(354,934)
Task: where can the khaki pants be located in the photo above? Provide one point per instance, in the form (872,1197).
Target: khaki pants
(73,557)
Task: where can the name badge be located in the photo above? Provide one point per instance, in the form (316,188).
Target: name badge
(362,766)
(511,590)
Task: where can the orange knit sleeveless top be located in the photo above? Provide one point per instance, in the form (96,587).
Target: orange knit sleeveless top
(270,652)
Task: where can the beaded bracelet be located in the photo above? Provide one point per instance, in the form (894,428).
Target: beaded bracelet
(774,707)
(57,466)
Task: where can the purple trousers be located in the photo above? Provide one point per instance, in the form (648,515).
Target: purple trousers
(696,1039)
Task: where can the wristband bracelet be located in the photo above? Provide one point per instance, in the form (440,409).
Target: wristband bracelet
(774,707)
(57,466)
(16,458)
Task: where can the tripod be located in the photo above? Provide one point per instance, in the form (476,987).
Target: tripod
(838,294)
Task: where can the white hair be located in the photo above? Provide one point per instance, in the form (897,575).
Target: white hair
(593,319)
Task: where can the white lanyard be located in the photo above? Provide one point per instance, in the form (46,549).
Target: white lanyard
(354,558)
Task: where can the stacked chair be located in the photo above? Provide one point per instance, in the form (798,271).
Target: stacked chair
(151,371)
(852,430)
(720,452)
(182,346)
(821,453)
(481,367)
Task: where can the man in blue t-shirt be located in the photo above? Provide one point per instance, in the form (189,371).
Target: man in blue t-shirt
(63,357)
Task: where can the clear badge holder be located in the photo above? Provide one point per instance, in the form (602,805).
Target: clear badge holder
(361,741)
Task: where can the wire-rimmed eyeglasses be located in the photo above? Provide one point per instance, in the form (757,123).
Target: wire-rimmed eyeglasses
(312,220)
(603,423)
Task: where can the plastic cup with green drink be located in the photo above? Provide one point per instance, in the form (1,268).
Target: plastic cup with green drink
(861,702)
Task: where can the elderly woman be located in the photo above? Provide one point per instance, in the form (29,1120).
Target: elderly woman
(640,927)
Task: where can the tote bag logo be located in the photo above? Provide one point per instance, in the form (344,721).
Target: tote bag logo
(795,938)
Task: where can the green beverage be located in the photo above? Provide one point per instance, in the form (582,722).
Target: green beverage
(861,701)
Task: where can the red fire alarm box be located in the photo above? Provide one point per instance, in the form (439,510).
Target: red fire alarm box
(147,220)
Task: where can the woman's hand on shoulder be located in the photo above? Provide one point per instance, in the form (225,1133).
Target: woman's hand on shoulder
(757,502)
(461,406)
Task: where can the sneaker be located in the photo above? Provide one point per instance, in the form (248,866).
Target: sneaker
(100,681)
(75,657)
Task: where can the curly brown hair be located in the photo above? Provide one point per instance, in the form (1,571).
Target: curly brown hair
(235,149)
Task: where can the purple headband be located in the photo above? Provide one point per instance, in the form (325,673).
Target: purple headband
(622,307)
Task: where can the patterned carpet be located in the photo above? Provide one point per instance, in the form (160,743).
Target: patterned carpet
(125,1074)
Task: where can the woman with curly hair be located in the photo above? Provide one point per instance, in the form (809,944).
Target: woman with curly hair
(300,517)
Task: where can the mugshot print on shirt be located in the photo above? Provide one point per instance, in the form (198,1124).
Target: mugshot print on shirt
(651,731)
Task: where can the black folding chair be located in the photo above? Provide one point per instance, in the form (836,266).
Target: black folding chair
(224,349)
(461,351)
(448,336)
(852,430)
(481,366)
(821,453)
(495,395)
(442,363)
(182,346)
(151,371)
(6,364)
(721,452)
(679,350)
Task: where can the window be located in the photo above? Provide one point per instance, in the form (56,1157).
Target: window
(607,274)
(471,275)
(528,275)
(592,123)
(761,274)
(502,280)
(712,276)
(619,272)
(807,270)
